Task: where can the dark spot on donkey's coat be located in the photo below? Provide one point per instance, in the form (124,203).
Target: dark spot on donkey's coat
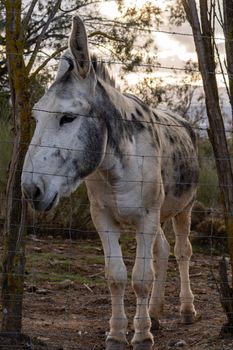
(186,174)
(118,127)
(90,155)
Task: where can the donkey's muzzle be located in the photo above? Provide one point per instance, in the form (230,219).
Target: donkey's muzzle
(32,193)
(37,198)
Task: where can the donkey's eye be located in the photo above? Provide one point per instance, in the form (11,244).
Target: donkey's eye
(66,119)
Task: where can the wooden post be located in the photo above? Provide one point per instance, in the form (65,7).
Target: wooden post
(14,230)
(228,32)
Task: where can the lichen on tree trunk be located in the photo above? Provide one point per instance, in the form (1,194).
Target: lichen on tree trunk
(15,228)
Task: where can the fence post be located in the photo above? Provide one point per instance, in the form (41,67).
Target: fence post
(14,229)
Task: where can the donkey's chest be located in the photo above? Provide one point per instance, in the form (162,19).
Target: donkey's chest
(125,199)
(127,205)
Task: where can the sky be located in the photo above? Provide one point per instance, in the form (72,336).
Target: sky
(173,50)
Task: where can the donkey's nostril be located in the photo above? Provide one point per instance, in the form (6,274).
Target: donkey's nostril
(37,192)
(31,192)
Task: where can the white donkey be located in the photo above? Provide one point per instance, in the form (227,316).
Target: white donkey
(140,167)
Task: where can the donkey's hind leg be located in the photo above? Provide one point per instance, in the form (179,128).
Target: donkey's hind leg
(161,254)
(183,252)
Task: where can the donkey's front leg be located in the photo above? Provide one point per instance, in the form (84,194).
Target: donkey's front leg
(116,275)
(142,279)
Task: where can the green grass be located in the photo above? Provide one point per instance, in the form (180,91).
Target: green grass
(94,260)
(58,277)
(40,268)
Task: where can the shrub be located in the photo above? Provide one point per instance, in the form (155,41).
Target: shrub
(208,189)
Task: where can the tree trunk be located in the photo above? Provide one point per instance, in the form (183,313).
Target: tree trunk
(206,58)
(226,297)
(15,229)
(228,32)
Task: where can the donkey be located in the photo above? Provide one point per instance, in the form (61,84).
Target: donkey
(140,168)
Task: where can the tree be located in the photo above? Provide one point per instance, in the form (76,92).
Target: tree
(203,32)
(226,21)
(14,231)
(181,98)
(45,28)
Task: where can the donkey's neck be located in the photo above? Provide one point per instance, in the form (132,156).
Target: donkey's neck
(112,107)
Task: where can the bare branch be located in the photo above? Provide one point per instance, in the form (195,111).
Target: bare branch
(80,6)
(28,15)
(34,74)
(41,36)
(105,35)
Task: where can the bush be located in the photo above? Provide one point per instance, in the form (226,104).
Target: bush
(199,213)
(211,232)
(208,190)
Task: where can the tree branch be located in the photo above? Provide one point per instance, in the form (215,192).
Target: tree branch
(80,6)
(34,74)
(105,35)
(41,36)
(28,15)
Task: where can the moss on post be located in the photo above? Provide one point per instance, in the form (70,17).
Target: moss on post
(14,230)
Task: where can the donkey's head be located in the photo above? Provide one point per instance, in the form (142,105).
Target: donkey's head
(69,141)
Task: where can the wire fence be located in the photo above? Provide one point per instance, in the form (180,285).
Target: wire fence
(66,300)
(65,290)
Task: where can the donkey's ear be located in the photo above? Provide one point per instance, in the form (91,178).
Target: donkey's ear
(78,44)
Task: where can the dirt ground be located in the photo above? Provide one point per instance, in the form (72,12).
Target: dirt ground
(67,304)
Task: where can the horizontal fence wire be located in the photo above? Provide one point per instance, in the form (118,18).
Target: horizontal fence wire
(79,297)
(146,29)
(138,65)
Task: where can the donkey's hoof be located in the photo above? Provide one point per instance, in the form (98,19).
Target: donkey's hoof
(115,345)
(188,318)
(155,324)
(145,345)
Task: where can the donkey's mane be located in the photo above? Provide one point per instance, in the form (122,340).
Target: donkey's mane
(102,70)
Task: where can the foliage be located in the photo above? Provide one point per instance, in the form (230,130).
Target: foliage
(177,14)
(38,85)
(150,90)
(208,189)
(114,38)
(184,98)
